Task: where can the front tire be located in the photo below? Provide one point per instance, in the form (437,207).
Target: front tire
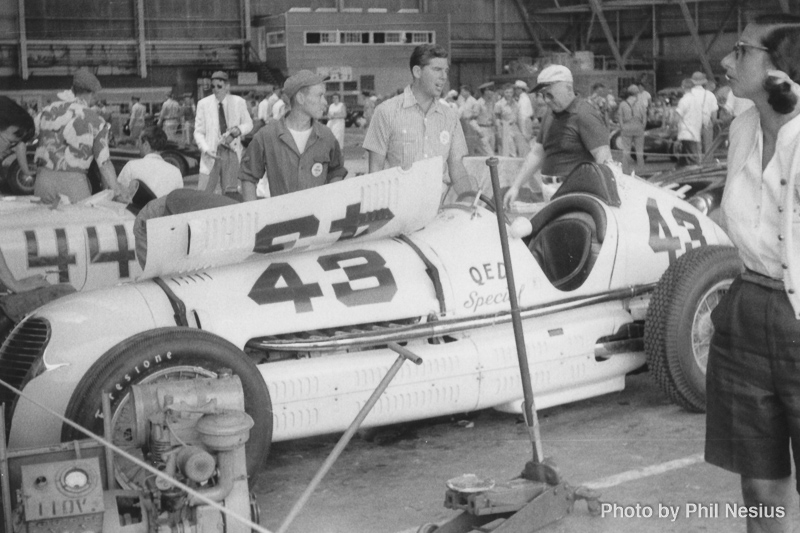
(678,326)
(161,355)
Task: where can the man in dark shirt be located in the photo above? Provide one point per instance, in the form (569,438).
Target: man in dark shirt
(572,132)
(296,152)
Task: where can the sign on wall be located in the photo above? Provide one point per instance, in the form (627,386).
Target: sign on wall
(336,73)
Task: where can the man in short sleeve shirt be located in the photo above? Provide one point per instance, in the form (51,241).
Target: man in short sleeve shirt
(573,132)
(415,125)
(71,136)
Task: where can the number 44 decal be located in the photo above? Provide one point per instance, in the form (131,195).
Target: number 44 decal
(661,238)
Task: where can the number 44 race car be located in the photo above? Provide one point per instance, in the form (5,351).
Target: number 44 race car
(299,295)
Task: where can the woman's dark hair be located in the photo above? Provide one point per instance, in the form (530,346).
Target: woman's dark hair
(156,137)
(783,43)
(13,114)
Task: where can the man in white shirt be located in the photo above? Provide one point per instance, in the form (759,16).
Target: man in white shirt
(158,175)
(263,106)
(693,108)
(525,109)
(222,119)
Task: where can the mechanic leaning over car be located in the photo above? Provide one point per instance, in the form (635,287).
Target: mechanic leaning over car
(415,125)
(71,136)
(160,176)
(573,132)
(297,151)
(753,373)
(16,128)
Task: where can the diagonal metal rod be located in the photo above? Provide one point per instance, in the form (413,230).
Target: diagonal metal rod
(529,409)
(345,439)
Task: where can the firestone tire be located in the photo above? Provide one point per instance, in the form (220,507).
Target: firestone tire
(167,354)
(678,326)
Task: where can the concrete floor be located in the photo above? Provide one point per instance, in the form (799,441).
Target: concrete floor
(628,443)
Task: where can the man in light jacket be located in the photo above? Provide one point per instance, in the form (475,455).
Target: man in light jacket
(222,119)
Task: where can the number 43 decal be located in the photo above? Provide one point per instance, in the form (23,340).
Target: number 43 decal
(661,238)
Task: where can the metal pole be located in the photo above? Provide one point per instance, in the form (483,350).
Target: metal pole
(105,400)
(5,482)
(529,409)
(345,439)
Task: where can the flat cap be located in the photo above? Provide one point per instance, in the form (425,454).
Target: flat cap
(220,75)
(552,74)
(304,78)
(86,81)
(698,78)
(633,89)
(521,84)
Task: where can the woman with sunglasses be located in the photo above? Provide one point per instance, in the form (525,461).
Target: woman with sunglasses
(753,375)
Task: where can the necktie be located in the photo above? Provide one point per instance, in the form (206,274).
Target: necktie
(223,125)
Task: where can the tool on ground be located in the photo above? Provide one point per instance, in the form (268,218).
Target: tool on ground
(539,496)
(345,439)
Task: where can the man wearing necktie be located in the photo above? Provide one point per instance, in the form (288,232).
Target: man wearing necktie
(221,120)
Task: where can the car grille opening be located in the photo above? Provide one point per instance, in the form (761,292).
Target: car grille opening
(20,351)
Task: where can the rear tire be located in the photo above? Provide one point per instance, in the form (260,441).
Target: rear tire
(160,355)
(19,183)
(678,326)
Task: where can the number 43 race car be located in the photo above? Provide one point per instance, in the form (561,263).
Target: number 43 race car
(299,295)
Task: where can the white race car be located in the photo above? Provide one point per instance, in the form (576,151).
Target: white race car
(84,246)
(300,294)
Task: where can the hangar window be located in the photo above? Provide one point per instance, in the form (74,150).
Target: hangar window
(276,38)
(420,37)
(322,37)
(350,86)
(354,37)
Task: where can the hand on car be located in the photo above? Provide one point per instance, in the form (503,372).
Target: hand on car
(511,196)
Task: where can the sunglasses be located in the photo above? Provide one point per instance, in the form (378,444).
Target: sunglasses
(741,47)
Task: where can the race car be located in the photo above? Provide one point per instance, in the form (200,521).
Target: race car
(299,296)
(185,158)
(82,246)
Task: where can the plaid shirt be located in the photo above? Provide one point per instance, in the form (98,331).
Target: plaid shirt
(71,135)
(402,132)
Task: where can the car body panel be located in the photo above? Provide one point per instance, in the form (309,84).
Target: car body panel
(428,278)
(87,245)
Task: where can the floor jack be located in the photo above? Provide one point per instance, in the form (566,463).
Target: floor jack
(539,496)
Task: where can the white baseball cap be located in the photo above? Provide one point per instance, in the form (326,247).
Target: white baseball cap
(551,75)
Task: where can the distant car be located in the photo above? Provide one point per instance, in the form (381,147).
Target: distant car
(659,143)
(701,185)
(186,159)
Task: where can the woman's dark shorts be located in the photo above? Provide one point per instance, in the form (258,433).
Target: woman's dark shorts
(753,383)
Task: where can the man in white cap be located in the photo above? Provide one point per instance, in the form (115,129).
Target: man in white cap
(524,109)
(295,152)
(485,118)
(572,132)
(221,120)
